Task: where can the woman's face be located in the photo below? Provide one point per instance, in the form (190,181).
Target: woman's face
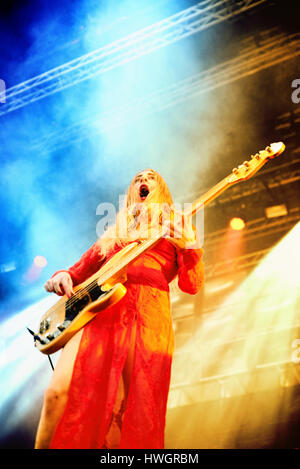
(144,183)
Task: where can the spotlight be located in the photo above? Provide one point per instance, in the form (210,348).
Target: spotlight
(40,261)
(276,211)
(237,224)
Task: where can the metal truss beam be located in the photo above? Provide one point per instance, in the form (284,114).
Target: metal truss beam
(278,50)
(257,228)
(251,259)
(290,329)
(281,374)
(237,264)
(170,30)
(286,173)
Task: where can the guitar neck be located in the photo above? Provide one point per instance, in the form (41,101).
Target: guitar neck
(210,195)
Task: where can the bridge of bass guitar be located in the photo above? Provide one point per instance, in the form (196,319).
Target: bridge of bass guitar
(62,322)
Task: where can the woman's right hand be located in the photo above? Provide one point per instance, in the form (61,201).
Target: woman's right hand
(61,284)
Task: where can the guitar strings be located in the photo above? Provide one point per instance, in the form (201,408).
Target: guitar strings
(71,301)
(122,264)
(89,287)
(158,235)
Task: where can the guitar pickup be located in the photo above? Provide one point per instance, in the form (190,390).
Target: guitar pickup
(50,336)
(53,335)
(44,325)
(63,325)
(59,328)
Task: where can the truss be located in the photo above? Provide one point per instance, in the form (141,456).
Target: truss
(243,377)
(257,228)
(279,368)
(275,51)
(281,374)
(285,173)
(235,265)
(179,26)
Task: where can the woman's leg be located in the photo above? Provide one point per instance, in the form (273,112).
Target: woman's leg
(113,436)
(127,371)
(56,395)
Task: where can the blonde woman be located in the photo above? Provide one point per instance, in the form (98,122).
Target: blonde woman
(110,385)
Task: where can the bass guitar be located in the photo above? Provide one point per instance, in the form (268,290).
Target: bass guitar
(106,287)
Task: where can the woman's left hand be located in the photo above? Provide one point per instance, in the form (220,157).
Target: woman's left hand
(180,231)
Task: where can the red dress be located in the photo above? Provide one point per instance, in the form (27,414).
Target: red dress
(94,390)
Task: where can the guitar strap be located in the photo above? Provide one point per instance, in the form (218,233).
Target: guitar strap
(51,362)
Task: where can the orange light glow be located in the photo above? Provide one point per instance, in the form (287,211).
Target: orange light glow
(237,224)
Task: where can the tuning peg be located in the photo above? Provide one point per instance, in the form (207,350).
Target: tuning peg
(235,170)
(62,326)
(246,163)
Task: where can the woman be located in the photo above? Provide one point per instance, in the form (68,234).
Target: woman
(111,382)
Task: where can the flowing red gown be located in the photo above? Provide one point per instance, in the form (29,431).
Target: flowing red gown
(94,392)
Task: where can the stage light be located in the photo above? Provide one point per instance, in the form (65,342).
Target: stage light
(34,271)
(237,224)
(8,267)
(40,261)
(276,211)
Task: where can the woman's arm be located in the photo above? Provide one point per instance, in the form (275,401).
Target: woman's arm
(184,237)
(190,270)
(62,281)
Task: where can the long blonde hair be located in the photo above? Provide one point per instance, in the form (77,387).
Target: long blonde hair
(138,220)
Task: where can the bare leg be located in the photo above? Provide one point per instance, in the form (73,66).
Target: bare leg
(113,436)
(127,371)
(56,395)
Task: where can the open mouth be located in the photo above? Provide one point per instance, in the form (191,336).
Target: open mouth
(144,191)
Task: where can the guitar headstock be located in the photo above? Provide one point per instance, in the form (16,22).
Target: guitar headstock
(249,168)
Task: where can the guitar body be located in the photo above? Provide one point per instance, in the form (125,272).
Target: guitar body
(69,315)
(62,329)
